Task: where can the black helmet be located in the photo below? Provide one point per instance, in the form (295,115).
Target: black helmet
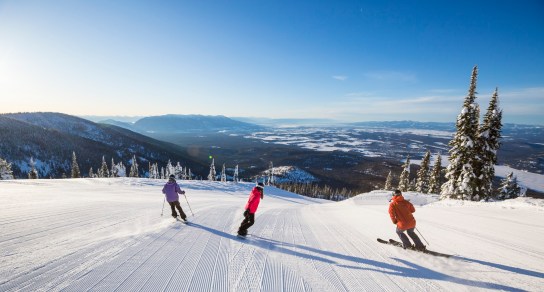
(172,177)
(260,186)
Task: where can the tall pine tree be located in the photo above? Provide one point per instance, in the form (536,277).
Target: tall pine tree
(114,170)
(134,167)
(212,174)
(422,184)
(103,170)
(235,175)
(223,174)
(435,179)
(270,173)
(488,144)
(75,167)
(33,174)
(388,182)
(404,180)
(461,181)
(169,169)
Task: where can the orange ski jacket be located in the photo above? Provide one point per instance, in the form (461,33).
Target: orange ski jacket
(401,211)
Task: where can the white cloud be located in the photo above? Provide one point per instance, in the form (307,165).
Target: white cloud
(340,77)
(530,93)
(443,91)
(391,76)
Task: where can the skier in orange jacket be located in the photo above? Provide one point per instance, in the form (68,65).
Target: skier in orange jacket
(400,211)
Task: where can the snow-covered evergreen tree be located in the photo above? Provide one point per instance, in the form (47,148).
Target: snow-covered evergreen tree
(178,171)
(120,169)
(509,188)
(422,184)
(154,170)
(5,170)
(103,170)
(412,186)
(163,173)
(212,174)
(461,181)
(91,173)
(270,173)
(488,144)
(235,175)
(134,167)
(189,174)
(466,184)
(404,180)
(33,173)
(435,178)
(75,167)
(169,169)
(223,174)
(389,182)
(114,172)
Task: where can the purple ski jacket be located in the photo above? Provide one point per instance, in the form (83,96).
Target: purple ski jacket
(171,190)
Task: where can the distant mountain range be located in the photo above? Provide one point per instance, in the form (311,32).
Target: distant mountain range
(527,131)
(184,124)
(332,153)
(50,138)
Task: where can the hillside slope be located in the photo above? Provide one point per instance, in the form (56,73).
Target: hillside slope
(50,139)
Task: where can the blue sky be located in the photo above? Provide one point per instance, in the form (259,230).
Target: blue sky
(345,60)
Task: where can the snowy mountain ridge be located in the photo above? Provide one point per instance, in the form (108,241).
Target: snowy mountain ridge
(64,123)
(51,138)
(184,123)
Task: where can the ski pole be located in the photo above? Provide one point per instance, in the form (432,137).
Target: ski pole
(422,236)
(188,204)
(162,212)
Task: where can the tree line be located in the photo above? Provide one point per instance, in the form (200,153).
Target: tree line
(472,157)
(113,170)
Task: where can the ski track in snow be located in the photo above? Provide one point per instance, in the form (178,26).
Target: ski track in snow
(111,237)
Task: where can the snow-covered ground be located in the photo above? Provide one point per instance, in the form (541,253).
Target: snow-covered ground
(108,235)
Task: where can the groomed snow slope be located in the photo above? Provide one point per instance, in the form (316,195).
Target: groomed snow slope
(108,235)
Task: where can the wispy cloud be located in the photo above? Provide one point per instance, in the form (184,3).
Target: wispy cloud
(442,91)
(530,93)
(521,105)
(340,77)
(391,76)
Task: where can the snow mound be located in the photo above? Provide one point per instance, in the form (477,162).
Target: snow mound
(517,203)
(382,197)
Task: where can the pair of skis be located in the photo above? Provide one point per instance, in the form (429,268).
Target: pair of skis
(399,244)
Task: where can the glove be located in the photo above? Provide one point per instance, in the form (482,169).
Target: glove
(183,192)
(246,213)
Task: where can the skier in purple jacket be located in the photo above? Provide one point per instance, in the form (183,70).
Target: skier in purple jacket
(171,190)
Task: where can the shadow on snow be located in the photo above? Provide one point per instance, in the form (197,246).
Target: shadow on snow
(408,269)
